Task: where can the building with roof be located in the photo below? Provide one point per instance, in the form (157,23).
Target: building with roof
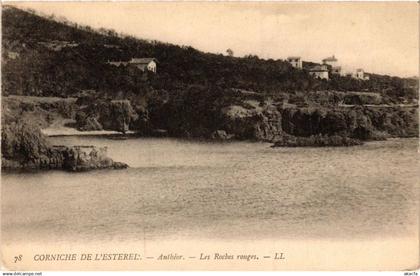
(296,62)
(149,64)
(360,74)
(319,71)
(144,64)
(332,62)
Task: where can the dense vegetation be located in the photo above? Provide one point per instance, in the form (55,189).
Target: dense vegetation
(65,59)
(193,94)
(23,142)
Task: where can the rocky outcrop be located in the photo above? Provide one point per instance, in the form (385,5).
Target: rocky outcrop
(252,121)
(25,147)
(38,110)
(316,126)
(363,123)
(23,141)
(74,159)
(90,123)
(106,114)
(85,158)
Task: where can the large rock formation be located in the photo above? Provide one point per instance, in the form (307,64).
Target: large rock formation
(85,158)
(363,123)
(316,126)
(253,121)
(40,111)
(108,115)
(25,147)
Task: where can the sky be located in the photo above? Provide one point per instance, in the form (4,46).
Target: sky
(380,37)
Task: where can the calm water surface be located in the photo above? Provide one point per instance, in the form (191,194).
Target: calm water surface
(238,190)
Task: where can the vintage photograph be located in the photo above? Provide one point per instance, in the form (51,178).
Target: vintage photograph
(209,136)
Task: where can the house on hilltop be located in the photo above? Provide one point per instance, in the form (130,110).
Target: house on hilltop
(144,64)
(360,74)
(149,64)
(319,71)
(296,62)
(333,63)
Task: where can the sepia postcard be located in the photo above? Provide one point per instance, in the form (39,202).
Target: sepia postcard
(210,136)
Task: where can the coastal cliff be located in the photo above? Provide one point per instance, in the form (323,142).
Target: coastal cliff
(252,121)
(318,126)
(95,114)
(194,94)
(25,147)
(236,118)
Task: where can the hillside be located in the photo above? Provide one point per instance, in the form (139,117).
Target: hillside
(57,59)
(67,71)
(193,94)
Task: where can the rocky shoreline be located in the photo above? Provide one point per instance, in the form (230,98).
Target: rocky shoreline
(315,126)
(24,147)
(71,159)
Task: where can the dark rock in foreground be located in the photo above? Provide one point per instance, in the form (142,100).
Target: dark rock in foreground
(25,147)
(86,158)
(74,159)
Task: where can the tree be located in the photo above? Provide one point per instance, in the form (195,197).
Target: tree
(229,52)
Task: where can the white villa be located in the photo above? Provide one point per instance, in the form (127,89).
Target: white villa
(360,74)
(330,61)
(296,62)
(319,71)
(333,62)
(329,65)
(143,64)
(149,64)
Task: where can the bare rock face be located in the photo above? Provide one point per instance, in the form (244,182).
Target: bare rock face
(85,158)
(25,147)
(23,141)
(91,123)
(106,114)
(315,126)
(253,121)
